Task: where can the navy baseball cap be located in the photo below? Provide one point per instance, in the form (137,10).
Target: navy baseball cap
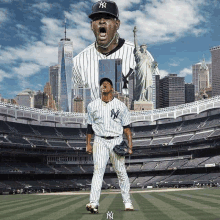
(105,79)
(104,7)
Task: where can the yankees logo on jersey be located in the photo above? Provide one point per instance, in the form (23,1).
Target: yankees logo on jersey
(114,114)
(86,64)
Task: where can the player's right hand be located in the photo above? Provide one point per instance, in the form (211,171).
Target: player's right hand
(89,148)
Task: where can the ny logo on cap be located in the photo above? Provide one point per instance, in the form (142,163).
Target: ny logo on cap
(102,4)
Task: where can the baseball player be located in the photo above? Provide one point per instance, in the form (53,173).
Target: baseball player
(108,45)
(107,119)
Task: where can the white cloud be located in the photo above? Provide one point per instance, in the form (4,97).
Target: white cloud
(3,75)
(163,73)
(185,72)
(174,64)
(162,21)
(4,15)
(26,69)
(25,34)
(37,52)
(43,6)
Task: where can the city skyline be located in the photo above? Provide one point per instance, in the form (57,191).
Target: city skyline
(178,35)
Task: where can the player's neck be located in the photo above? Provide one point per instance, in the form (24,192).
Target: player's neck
(107,97)
(111,47)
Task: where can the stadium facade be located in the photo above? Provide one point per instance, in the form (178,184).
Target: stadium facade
(45,150)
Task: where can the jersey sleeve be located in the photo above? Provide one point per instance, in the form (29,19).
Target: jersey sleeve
(89,119)
(125,117)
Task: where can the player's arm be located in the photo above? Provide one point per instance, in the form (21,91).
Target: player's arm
(128,134)
(89,132)
(89,135)
(126,127)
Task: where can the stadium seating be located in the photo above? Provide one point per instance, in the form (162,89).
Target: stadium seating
(200,135)
(163,165)
(41,168)
(149,166)
(142,142)
(164,141)
(77,144)
(211,160)
(17,140)
(160,156)
(21,128)
(69,132)
(155,180)
(3,140)
(38,142)
(192,125)
(216,133)
(134,168)
(88,168)
(181,138)
(143,131)
(212,121)
(60,169)
(194,162)
(178,164)
(140,181)
(57,143)
(168,128)
(4,128)
(44,131)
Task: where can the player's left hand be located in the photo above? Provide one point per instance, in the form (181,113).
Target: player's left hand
(130,151)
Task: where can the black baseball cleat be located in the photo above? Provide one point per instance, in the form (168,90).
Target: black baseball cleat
(93,208)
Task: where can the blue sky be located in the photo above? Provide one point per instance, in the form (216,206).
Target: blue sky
(178,34)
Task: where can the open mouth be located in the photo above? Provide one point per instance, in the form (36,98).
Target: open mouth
(102,32)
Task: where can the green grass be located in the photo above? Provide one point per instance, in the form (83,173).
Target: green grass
(201,204)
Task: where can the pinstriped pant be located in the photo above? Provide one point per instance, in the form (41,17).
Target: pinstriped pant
(102,150)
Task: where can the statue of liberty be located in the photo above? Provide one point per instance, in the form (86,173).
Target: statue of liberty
(144,68)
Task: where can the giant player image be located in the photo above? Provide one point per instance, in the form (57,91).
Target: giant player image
(108,45)
(108,118)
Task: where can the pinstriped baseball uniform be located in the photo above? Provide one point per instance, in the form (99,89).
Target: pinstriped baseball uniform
(108,119)
(86,64)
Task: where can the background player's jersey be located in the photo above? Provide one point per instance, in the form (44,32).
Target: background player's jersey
(108,119)
(86,64)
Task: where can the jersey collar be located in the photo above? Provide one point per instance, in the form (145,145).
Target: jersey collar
(109,101)
(120,44)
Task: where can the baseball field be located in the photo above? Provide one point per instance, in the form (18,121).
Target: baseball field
(161,204)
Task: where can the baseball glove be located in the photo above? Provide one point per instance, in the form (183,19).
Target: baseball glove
(121,149)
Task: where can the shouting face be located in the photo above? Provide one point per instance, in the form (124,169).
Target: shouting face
(104,27)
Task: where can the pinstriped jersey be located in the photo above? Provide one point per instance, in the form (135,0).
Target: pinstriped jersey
(86,65)
(108,119)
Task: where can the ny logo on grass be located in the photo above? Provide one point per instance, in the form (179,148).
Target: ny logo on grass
(110,215)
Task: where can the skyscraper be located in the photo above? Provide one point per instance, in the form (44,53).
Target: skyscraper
(112,69)
(157,91)
(65,63)
(202,75)
(172,91)
(51,104)
(53,79)
(215,51)
(189,92)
